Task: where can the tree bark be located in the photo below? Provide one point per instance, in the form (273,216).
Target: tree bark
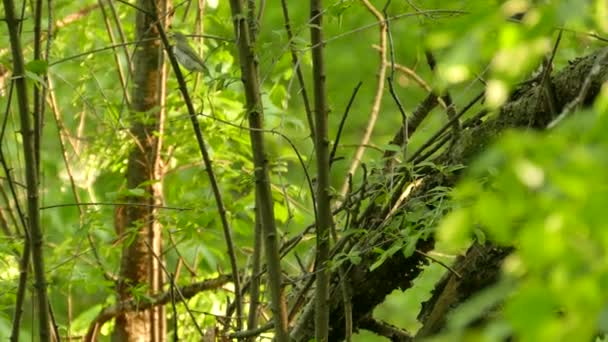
(525,108)
(141,258)
(33,230)
(264,201)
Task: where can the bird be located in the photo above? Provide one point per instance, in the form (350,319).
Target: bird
(185,54)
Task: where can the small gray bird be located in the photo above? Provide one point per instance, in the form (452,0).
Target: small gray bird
(185,54)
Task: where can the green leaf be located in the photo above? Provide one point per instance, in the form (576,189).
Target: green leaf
(354,258)
(385,255)
(38,67)
(391,147)
(136,192)
(35,77)
(82,321)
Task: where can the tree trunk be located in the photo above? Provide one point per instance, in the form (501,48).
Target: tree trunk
(142,255)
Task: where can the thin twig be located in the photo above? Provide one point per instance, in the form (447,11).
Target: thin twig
(447,13)
(227,230)
(404,120)
(446,126)
(446,266)
(114,204)
(254,286)
(384,329)
(342,122)
(375,111)
(401,137)
(578,100)
(546,87)
(295,59)
(64,154)
(291,144)
(119,69)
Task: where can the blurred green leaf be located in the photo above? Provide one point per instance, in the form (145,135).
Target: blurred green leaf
(38,67)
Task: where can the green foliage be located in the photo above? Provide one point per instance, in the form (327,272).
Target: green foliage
(545,193)
(489,36)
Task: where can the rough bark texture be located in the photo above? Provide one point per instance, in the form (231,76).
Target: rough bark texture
(480,265)
(141,257)
(479,268)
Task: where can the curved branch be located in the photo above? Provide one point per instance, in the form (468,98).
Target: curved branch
(187,292)
(373,116)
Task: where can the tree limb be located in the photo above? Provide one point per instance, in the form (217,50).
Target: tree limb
(525,108)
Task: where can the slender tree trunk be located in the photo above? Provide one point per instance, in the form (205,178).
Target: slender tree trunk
(30,152)
(255,114)
(141,258)
(324,219)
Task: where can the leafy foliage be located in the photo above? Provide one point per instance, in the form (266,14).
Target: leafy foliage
(545,193)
